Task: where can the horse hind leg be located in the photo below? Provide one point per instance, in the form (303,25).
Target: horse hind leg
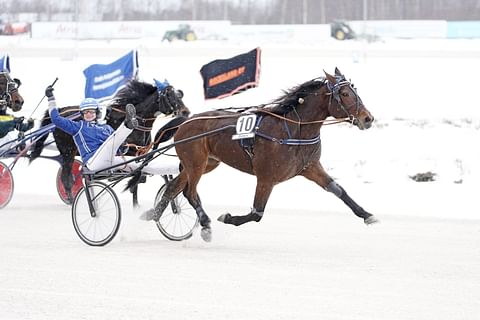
(190,191)
(67,179)
(174,187)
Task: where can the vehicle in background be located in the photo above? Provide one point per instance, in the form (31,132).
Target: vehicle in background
(183,32)
(340,30)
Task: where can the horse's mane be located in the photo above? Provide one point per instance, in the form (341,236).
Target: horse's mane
(134,92)
(289,100)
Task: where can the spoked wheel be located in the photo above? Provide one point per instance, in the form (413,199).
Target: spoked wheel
(6,185)
(96,225)
(77,182)
(178,220)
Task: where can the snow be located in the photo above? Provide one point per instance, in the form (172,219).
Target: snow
(310,257)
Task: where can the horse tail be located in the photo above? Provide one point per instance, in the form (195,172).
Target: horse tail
(134,181)
(166,132)
(38,145)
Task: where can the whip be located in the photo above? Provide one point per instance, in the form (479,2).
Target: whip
(42,98)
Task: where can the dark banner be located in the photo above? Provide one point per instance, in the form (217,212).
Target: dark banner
(223,78)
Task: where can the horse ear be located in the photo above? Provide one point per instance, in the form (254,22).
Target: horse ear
(337,72)
(330,78)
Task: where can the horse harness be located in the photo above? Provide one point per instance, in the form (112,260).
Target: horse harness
(247,143)
(335,94)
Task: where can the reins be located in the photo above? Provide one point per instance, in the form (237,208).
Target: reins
(333,93)
(324,121)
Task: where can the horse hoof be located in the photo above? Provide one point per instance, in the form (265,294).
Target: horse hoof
(224,217)
(206,234)
(149,215)
(371,220)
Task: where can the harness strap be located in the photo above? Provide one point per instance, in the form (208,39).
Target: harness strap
(290,142)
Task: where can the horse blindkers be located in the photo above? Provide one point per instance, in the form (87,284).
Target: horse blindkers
(223,78)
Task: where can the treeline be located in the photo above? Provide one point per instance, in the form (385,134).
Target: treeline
(248,11)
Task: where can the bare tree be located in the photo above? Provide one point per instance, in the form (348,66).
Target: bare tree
(250,11)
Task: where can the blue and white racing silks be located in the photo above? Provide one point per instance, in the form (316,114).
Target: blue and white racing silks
(103,81)
(88,136)
(5,63)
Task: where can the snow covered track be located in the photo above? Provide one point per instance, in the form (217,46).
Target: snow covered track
(310,258)
(321,265)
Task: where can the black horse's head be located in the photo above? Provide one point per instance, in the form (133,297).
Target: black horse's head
(9,95)
(171,101)
(149,103)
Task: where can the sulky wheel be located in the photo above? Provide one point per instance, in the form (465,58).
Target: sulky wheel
(178,220)
(98,223)
(6,185)
(77,182)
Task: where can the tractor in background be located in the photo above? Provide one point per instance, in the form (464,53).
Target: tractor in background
(183,32)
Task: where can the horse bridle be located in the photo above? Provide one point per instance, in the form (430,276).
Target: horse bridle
(11,87)
(335,93)
(172,106)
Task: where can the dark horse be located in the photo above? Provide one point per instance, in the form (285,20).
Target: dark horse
(148,102)
(9,96)
(285,143)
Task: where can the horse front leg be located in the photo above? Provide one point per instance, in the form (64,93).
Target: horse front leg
(317,174)
(262,193)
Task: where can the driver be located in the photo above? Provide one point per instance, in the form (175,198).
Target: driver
(98,144)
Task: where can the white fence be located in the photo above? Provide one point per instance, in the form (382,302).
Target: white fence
(222,30)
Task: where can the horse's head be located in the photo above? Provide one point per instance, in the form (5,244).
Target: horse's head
(170,102)
(9,96)
(149,102)
(345,101)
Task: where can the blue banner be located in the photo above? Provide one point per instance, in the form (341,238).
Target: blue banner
(104,80)
(5,63)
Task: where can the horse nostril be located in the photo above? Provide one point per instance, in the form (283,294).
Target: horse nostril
(368,120)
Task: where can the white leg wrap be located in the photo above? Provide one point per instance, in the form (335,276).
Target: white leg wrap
(334,188)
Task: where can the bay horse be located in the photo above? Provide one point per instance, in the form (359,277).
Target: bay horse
(9,95)
(149,103)
(284,142)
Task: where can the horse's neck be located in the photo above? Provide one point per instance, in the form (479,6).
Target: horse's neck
(147,108)
(313,110)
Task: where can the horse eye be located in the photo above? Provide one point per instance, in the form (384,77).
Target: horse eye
(345,94)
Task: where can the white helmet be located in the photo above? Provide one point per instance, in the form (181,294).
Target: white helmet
(89,104)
